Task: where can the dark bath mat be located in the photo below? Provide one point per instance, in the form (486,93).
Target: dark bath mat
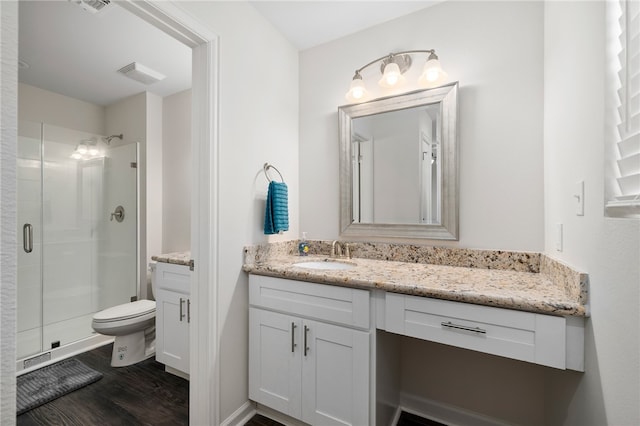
(48,383)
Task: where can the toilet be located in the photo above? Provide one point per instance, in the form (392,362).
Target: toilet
(134,327)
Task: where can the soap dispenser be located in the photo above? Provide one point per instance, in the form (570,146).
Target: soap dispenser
(303,247)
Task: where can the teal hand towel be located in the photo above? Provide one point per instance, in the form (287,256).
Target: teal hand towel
(276,215)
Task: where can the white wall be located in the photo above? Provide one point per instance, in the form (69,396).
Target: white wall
(606,248)
(491,48)
(176,172)
(258,123)
(154,175)
(495,51)
(43,106)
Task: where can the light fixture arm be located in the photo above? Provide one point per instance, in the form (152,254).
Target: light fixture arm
(431,52)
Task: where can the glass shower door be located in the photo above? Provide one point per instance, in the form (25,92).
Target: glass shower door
(29,198)
(76,257)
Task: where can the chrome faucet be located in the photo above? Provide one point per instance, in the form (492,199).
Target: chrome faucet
(339,249)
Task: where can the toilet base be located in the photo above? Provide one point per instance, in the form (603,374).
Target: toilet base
(131,349)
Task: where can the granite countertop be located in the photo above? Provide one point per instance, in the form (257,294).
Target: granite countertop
(556,291)
(179,258)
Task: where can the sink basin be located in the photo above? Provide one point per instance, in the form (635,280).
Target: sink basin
(326,265)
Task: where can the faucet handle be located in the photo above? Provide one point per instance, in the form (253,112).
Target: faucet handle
(347,250)
(335,252)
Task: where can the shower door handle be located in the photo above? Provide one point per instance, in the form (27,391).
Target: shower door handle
(27,237)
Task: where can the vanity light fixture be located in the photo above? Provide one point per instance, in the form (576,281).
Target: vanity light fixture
(392,67)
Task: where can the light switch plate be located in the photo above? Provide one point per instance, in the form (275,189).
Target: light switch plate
(579,196)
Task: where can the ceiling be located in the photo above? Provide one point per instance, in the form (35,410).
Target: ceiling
(77,53)
(310,23)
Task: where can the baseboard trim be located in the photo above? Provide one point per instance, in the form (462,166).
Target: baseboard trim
(444,413)
(396,416)
(278,416)
(241,416)
(176,372)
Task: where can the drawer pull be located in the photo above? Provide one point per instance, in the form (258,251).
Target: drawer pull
(181,310)
(293,337)
(306,347)
(449,324)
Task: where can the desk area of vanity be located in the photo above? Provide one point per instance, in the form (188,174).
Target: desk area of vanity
(523,306)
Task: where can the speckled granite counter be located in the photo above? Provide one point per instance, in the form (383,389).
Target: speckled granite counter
(181,258)
(514,280)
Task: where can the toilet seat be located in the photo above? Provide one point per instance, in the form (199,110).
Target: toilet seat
(126,311)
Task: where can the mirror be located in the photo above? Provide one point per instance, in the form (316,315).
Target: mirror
(398,166)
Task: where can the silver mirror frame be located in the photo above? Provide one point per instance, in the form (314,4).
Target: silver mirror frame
(447,96)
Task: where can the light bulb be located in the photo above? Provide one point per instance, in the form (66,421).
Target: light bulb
(391,76)
(93,151)
(76,155)
(432,73)
(357,91)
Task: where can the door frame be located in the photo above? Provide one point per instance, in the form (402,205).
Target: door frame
(204,359)
(204,334)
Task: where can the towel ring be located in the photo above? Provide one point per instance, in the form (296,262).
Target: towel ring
(266,168)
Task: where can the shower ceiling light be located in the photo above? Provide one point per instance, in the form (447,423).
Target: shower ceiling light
(81,148)
(87,150)
(393,66)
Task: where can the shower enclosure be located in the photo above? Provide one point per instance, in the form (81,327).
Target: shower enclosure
(76,254)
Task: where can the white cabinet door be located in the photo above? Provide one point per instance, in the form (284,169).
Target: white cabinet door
(172,329)
(335,375)
(274,361)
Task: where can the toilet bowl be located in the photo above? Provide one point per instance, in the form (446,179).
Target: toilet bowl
(134,327)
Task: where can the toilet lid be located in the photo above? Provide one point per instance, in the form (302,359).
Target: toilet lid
(126,311)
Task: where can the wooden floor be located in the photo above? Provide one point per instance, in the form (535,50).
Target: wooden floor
(141,394)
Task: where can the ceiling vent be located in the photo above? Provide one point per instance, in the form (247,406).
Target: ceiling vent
(140,73)
(93,6)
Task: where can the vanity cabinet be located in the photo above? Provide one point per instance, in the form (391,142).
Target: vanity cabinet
(309,350)
(173,315)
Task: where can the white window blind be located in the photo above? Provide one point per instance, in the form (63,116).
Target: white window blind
(628,127)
